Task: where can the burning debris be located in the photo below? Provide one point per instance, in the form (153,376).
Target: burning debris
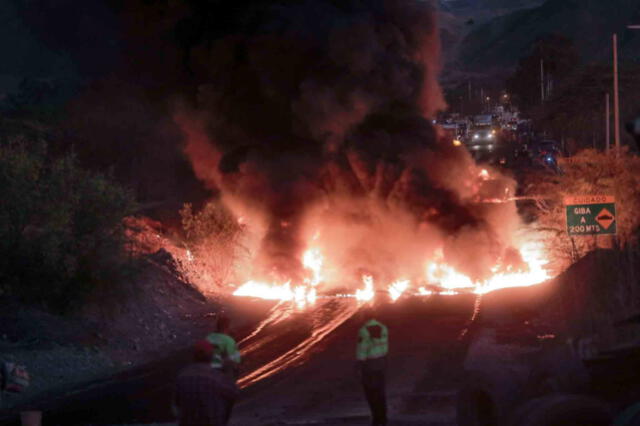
(315,129)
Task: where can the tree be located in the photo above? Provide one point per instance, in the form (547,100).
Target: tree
(560,61)
(588,172)
(213,240)
(61,227)
(577,110)
(605,280)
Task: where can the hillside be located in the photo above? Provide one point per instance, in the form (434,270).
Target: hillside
(499,43)
(65,43)
(457,18)
(480,10)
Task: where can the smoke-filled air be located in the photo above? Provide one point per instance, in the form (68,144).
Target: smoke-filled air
(315,129)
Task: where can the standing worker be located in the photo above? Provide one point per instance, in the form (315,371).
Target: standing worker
(202,391)
(372,349)
(226,356)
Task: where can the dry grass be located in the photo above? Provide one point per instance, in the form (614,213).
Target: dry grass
(601,287)
(213,244)
(590,172)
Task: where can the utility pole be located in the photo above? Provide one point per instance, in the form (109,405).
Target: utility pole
(541,80)
(607,116)
(616,96)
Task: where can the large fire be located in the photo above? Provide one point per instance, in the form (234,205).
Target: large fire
(437,276)
(323,278)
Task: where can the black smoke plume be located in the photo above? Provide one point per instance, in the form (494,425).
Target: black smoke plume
(304,103)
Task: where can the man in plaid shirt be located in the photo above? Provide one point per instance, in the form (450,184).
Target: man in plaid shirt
(201,391)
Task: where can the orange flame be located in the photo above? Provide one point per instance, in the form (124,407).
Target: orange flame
(301,295)
(533,255)
(445,276)
(265,291)
(443,279)
(367,293)
(397,288)
(424,292)
(312,260)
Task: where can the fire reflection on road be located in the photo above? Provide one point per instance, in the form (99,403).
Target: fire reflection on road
(323,318)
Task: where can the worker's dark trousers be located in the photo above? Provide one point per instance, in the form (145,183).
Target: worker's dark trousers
(374,384)
(228,404)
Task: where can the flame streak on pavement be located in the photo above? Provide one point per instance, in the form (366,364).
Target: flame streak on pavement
(326,316)
(306,374)
(277,313)
(474,316)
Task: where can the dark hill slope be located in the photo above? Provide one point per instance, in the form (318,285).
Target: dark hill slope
(488,4)
(498,44)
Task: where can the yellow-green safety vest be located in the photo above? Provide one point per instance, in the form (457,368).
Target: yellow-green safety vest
(373,341)
(225,346)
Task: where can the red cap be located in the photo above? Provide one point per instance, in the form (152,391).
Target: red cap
(203,351)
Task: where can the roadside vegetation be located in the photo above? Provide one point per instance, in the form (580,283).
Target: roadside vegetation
(61,229)
(589,172)
(213,239)
(605,282)
(574,109)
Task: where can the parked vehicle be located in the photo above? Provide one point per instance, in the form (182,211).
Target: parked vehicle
(482,138)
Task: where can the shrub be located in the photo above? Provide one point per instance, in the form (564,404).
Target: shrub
(602,284)
(213,240)
(61,229)
(589,172)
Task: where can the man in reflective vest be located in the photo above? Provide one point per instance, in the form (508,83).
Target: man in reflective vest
(226,356)
(373,345)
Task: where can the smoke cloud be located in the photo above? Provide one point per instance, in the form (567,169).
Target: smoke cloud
(313,120)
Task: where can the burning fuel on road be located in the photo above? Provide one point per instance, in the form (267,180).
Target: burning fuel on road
(439,278)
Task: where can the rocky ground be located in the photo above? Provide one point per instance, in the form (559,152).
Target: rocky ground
(160,314)
(317,384)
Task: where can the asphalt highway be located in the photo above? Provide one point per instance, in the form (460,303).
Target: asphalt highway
(299,368)
(321,387)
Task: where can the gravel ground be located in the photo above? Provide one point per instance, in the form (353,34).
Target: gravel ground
(167,315)
(160,315)
(56,368)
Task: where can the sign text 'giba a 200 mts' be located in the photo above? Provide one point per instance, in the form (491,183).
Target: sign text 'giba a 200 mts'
(591,214)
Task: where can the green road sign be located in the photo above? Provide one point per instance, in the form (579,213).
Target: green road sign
(591,215)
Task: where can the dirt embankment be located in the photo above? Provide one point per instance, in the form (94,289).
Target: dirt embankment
(157,315)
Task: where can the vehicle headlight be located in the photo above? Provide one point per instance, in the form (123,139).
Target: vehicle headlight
(490,136)
(476,136)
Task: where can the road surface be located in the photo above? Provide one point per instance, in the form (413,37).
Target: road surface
(320,386)
(299,369)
